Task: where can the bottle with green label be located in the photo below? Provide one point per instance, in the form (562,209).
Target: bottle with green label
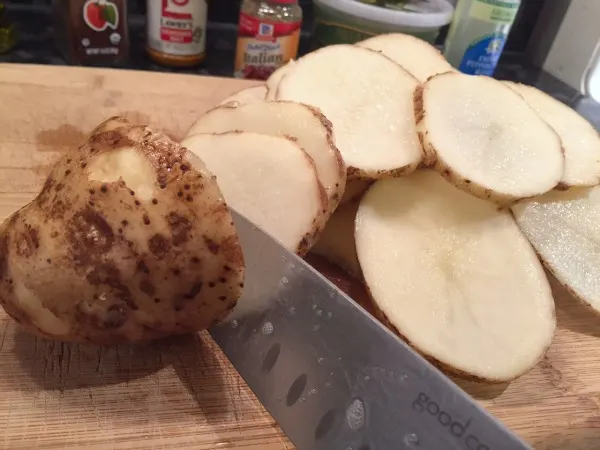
(478,34)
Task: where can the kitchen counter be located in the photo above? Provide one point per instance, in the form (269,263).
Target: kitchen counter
(36,46)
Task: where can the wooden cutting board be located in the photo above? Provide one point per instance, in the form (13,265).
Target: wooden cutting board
(182,393)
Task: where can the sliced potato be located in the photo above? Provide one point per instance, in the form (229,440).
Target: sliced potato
(580,140)
(454,276)
(128,240)
(419,58)
(275,78)
(311,130)
(336,243)
(484,138)
(268,179)
(368,98)
(254,94)
(564,228)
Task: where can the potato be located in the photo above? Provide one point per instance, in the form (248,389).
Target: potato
(418,57)
(485,139)
(127,241)
(453,276)
(271,180)
(305,125)
(369,100)
(254,94)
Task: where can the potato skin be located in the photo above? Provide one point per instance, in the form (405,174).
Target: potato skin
(91,261)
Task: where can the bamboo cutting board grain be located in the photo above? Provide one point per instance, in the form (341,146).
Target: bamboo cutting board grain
(182,393)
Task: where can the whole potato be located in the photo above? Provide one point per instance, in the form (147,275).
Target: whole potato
(128,240)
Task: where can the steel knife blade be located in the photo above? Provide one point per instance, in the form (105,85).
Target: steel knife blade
(330,374)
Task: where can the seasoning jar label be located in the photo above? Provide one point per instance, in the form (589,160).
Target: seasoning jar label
(177,27)
(263,46)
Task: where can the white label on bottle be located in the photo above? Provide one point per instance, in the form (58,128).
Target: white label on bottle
(177,27)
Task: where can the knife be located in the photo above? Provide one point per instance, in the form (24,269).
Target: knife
(330,374)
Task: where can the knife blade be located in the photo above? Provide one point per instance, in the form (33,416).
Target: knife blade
(330,374)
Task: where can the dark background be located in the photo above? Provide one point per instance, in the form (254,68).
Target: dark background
(226,12)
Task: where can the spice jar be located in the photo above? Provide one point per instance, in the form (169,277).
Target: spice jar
(268,37)
(176,31)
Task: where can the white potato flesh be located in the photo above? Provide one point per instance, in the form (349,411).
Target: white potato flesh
(454,276)
(275,78)
(336,243)
(418,57)
(311,130)
(110,167)
(581,142)
(254,94)
(564,228)
(486,139)
(368,98)
(268,179)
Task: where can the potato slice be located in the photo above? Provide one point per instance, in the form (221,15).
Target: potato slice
(368,98)
(336,243)
(311,130)
(564,228)
(421,59)
(484,138)
(454,276)
(275,78)
(268,179)
(254,94)
(127,241)
(580,140)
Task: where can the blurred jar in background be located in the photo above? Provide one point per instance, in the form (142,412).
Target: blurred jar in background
(92,32)
(268,37)
(8,34)
(176,31)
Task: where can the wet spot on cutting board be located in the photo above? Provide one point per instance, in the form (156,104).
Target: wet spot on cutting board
(98,81)
(61,138)
(112,98)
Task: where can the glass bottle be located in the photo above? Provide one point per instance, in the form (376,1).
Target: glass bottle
(176,32)
(92,32)
(478,34)
(268,37)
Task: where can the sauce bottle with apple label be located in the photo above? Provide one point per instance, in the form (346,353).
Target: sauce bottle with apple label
(268,37)
(177,32)
(92,32)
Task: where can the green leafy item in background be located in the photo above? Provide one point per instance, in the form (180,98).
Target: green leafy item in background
(8,33)
(395,4)
(109,13)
